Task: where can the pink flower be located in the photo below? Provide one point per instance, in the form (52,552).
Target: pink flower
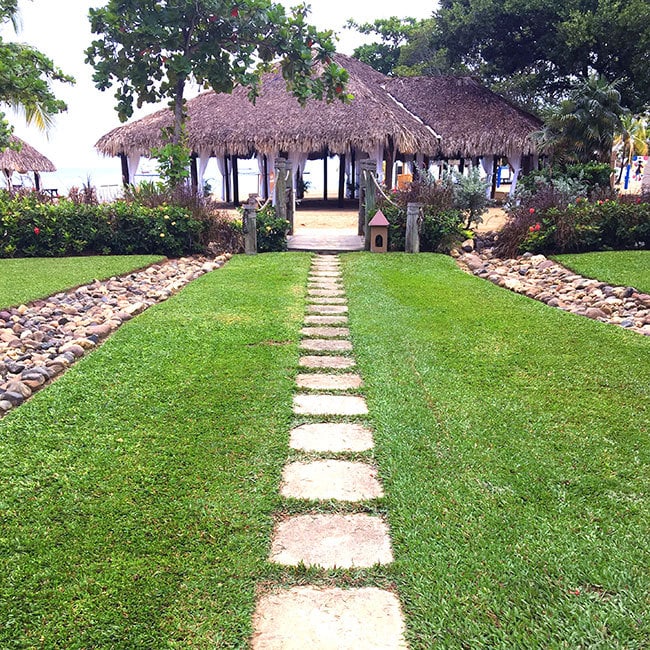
(638,200)
(532,210)
(37,230)
(537,226)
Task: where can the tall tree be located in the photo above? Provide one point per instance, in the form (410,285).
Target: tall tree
(26,76)
(151,50)
(534,49)
(582,128)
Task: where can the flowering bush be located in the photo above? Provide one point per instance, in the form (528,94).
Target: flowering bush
(271,231)
(577,226)
(30,227)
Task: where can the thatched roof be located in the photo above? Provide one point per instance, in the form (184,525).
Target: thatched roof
(25,160)
(471,120)
(222,123)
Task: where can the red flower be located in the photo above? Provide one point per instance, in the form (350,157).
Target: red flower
(532,210)
(234,12)
(537,226)
(638,200)
(37,230)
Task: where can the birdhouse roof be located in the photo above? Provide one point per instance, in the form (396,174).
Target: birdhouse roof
(379,219)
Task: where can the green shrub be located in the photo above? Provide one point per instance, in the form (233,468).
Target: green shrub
(271,231)
(441,227)
(30,227)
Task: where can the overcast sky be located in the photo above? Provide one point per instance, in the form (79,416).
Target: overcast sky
(61,30)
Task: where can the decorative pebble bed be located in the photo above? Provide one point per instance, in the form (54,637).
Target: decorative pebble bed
(540,278)
(41,340)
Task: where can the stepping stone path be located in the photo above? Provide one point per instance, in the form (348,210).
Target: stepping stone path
(317,617)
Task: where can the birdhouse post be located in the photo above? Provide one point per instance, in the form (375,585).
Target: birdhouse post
(378,233)
(412,240)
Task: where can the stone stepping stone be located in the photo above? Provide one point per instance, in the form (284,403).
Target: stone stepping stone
(332,437)
(331,541)
(329,405)
(324,293)
(323,310)
(330,479)
(326,361)
(328,618)
(326,320)
(325,332)
(318,381)
(332,286)
(327,301)
(326,345)
(325,274)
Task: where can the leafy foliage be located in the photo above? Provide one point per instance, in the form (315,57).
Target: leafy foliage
(470,196)
(152,50)
(271,231)
(30,227)
(25,78)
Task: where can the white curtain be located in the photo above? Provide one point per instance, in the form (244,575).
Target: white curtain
(222,166)
(514,159)
(487,163)
(204,159)
(298,160)
(133,162)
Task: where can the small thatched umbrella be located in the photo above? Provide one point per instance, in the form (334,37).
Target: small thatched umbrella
(26,159)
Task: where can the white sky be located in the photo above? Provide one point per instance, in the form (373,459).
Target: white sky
(61,30)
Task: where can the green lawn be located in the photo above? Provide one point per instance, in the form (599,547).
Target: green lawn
(624,268)
(512,440)
(138,490)
(25,279)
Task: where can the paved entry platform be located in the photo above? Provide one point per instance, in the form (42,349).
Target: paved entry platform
(325,240)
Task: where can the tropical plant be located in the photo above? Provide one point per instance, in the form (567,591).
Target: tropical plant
(582,127)
(631,139)
(25,78)
(152,50)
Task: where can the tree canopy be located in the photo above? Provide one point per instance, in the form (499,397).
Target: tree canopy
(534,50)
(25,79)
(151,50)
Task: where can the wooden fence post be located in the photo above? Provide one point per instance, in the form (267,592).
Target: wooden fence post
(412,242)
(281,188)
(367,198)
(250,225)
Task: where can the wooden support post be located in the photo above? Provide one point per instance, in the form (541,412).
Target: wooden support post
(412,242)
(353,174)
(265,177)
(461,166)
(327,155)
(194,174)
(341,180)
(226,167)
(495,169)
(390,163)
(37,181)
(125,169)
(249,225)
(367,198)
(290,197)
(235,182)
(281,188)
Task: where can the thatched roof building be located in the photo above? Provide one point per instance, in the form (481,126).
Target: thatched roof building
(471,120)
(23,160)
(231,124)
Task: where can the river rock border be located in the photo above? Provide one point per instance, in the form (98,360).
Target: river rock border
(540,278)
(40,340)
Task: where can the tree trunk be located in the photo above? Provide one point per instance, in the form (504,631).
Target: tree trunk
(178,111)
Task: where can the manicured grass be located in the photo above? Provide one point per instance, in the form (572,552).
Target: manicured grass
(26,279)
(624,268)
(512,440)
(138,490)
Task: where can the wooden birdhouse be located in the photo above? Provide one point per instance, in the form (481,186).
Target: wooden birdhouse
(378,233)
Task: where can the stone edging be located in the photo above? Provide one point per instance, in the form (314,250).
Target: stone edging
(39,341)
(543,279)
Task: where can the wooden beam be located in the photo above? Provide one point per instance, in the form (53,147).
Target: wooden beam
(226,166)
(341,180)
(265,179)
(125,169)
(327,155)
(194,173)
(235,182)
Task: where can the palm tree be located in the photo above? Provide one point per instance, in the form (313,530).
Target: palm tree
(584,124)
(631,140)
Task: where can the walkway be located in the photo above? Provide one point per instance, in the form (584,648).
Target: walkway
(326,231)
(312,616)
